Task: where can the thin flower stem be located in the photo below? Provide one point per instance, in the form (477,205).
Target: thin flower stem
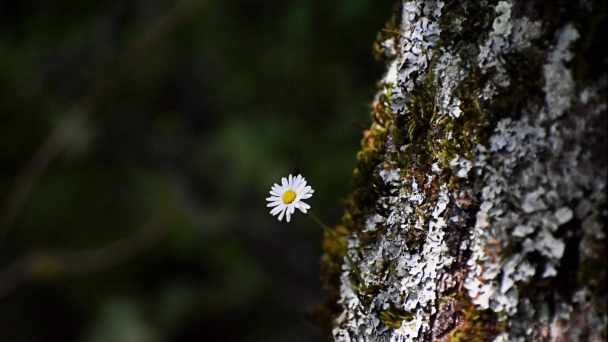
(342,246)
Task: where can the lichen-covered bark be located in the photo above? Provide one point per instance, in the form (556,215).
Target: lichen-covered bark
(479,204)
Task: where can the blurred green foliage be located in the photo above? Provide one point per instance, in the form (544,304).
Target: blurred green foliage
(235,96)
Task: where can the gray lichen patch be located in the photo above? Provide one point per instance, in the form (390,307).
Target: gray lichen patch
(479,202)
(559,85)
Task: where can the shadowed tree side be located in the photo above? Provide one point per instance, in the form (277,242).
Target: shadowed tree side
(479,198)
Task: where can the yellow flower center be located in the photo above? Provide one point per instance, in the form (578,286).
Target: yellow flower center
(288,196)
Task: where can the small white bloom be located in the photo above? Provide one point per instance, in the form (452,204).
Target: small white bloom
(287,197)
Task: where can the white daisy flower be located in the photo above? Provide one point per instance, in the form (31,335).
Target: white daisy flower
(287,197)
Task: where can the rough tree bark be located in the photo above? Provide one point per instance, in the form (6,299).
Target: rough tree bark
(479,203)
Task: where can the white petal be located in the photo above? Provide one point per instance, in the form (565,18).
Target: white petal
(288,215)
(277,209)
(274,204)
(302,206)
(290,182)
(273,198)
(281,216)
(285,184)
(296,183)
(300,187)
(300,193)
(304,194)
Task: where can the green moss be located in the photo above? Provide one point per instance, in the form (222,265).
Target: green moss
(428,139)
(389,31)
(445,299)
(365,192)
(393,316)
(476,325)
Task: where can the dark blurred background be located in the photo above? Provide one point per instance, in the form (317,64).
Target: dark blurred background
(138,142)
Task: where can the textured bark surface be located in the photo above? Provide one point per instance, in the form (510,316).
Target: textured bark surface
(479,203)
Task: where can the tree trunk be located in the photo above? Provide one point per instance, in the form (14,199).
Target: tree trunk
(479,203)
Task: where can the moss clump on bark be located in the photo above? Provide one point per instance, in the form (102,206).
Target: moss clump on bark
(475,325)
(393,316)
